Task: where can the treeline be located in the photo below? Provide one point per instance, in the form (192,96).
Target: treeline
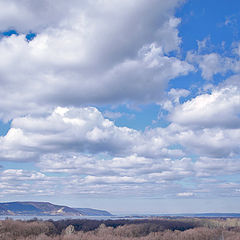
(146,225)
(145,229)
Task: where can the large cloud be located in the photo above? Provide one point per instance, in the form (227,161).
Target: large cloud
(99,157)
(85,130)
(218,109)
(94,152)
(208,124)
(80,130)
(27,15)
(88,52)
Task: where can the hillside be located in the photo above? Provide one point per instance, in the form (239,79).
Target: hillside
(93,212)
(46,208)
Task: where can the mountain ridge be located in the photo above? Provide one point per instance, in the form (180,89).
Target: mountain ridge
(47,209)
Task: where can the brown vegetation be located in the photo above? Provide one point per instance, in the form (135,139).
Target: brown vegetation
(148,229)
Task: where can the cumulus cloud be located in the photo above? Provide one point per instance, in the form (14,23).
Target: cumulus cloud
(208,124)
(56,67)
(209,110)
(94,152)
(86,131)
(79,130)
(214,63)
(211,142)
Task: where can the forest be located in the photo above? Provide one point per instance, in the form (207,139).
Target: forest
(122,229)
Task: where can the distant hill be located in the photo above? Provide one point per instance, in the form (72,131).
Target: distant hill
(93,212)
(46,208)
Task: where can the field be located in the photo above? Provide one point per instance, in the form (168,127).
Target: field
(145,229)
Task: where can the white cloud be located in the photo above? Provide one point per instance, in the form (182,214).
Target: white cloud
(210,167)
(211,142)
(80,130)
(131,166)
(126,175)
(85,130)
(185,194)
(219,108)
(211,64)
(19,174)
(93,152)
(214,63)
(126,43)
(21,182)
(81,143)
(26,15)
(98,157)
(208,124)
(173,98)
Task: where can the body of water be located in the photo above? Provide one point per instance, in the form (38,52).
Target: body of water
(114,217)
(56,218)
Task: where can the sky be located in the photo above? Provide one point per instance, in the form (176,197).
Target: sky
(128,106)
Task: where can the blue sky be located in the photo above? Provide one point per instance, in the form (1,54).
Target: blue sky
(128,106)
